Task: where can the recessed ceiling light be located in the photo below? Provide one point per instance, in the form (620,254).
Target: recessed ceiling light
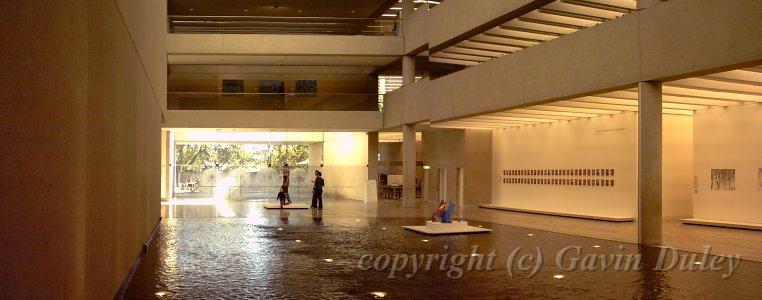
(474,254)
(353,11)
(245,10)
(280,228)
(697,263)
(425,241)
(300,10)
(298,241)
(358,220)
(531,234)
(596,246)
(191,9)
(160,294)
(558,276)
(328,259)
(384,228)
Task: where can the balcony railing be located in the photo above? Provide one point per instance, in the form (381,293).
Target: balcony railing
(274,101)
(282,25)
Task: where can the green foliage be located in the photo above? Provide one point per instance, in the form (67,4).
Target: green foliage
(290,154)
(197,157)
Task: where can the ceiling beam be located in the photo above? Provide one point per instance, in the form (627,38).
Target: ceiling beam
(601,6)
(505,36)
(463,53)
(567,14)
(552,107)
(533,31)
(483,49)
(551,23)
(501,44)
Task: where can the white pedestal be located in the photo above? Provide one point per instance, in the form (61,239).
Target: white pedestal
(290,206)
(435,228)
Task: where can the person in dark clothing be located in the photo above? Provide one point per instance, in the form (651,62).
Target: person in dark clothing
(317,191)
(282,197)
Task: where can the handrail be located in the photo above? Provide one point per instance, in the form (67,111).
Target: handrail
(282,25)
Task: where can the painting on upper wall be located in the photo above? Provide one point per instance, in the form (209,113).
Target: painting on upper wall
(759,179)
(232,86)
(723,179)
(271,87)
(308,87)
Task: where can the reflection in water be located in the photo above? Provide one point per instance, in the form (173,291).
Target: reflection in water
(317,216)
(654,284)
(269,257)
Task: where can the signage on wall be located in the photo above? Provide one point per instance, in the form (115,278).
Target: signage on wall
(566,177)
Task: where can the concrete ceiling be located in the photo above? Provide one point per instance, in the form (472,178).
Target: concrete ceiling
(680,97)
(281,8)
(554,20)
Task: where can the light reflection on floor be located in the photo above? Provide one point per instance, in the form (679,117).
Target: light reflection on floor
(200,253)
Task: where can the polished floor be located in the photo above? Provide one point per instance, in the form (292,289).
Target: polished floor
(239,250)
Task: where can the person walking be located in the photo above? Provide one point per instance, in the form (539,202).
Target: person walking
(317,191)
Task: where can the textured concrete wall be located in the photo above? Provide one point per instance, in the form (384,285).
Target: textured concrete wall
(285,44)
(124,135)
(81,112)
(43,149)
(325,120)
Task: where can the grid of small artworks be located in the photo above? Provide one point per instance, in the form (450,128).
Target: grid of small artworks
(592,177)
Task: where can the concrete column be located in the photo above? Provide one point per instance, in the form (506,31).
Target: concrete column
(407,8)
(649,163)
(408,70)
(408,166)
(372,155)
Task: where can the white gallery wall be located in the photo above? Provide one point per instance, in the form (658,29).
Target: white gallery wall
(608,142)
(729,138)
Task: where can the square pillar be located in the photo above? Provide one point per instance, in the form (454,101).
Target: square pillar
(372,155)
(649,163)
(408,70)
(408,166)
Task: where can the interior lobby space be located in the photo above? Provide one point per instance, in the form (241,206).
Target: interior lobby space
(381,149)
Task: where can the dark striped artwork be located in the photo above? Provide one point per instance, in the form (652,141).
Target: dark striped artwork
(723,179)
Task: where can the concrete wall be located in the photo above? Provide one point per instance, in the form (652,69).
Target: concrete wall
(284,44)
(598,143)
(325,120)
(81,112)
(678,38)
(451,149)
(729,138)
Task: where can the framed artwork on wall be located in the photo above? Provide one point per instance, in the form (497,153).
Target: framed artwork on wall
(759,179)
(232,86)
(723,179)
(272,87)
(308,87)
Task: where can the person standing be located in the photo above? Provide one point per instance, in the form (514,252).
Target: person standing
(317,191)
(286,181)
